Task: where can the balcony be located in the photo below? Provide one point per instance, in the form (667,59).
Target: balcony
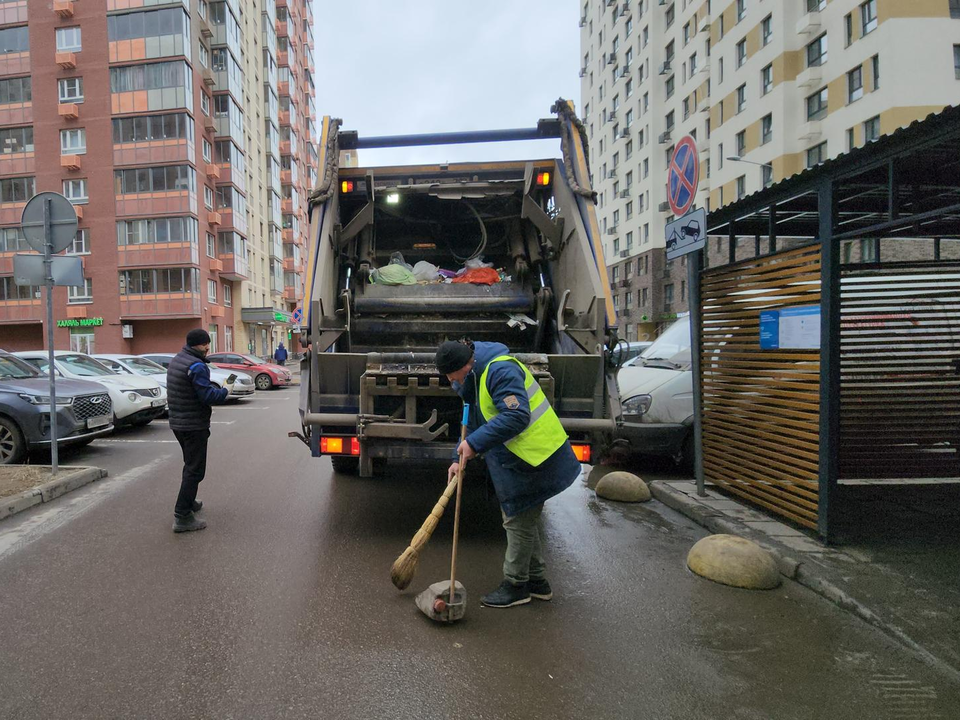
(71,162)
(809,24)
(171,202)
(14,63)
(290,294)
(811,130)
(286,206)
(66,60)
(214,218)
(68,111)
(283,88)
(290,265)
(285,117)
(63,8)
(21,311)
(154,152)
(286,177)
(158,254)
(213,171)
(21,163)
(160,305)
(234,268)
(10,213)
(216,265)
(285,147)
(811,77)
(288,236)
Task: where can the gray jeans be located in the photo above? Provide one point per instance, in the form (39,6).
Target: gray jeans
(524,558)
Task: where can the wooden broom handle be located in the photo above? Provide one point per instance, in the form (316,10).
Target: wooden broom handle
(456,515)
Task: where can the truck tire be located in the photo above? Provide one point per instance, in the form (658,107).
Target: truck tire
(12,445)
(344,465)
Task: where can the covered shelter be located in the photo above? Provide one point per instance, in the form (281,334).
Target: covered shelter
(827,337)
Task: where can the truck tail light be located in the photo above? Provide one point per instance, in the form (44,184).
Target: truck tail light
(346,186)
(582,452)
(543,179)
(339,445)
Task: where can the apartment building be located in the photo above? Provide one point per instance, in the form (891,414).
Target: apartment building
(160,120)
(765,88)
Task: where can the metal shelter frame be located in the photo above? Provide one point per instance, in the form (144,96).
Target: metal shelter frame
(905,185)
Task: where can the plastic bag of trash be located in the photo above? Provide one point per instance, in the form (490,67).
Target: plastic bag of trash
(426,272)
(393,274)
(475,263)
(397,259)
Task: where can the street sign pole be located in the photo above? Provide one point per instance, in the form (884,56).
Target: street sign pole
(48,266)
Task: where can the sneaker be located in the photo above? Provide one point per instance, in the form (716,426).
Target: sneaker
(507,595)
(187,523)
(540,589)
(197,505)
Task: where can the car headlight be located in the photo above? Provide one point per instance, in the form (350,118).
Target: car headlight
(45,399)
(133,397)
(637,405)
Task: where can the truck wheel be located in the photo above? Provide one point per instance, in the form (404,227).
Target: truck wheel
(345,465)
(263,382)
(12,445)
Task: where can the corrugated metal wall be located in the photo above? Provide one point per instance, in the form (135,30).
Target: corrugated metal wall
(760,407)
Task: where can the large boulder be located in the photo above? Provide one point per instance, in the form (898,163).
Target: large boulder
(623,487)
(734,561)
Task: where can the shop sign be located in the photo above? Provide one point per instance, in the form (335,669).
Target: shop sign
(80,322)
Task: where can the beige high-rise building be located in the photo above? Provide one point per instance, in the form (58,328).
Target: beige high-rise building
(767,88)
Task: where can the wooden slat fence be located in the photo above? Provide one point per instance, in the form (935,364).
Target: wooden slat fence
(900,389)
(761,407)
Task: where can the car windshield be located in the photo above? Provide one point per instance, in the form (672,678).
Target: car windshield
(84,366)
(113,365)
(142,366)
(13,369)
(673,346)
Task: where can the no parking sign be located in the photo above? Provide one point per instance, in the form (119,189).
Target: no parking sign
(683,176)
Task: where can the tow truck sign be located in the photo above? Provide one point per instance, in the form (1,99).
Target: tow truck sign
(686,234)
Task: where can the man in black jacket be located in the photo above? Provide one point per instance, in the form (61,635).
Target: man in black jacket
(189,397)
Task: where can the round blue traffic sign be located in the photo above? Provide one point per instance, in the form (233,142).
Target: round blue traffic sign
(683,175)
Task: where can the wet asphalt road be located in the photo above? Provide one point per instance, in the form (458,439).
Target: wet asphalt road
(283,607)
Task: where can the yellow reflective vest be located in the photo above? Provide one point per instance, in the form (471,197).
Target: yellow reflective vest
(544,434)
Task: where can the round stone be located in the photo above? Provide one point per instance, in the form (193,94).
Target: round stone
(734,561)
(597,472)
(623,487)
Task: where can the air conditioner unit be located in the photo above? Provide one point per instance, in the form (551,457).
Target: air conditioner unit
(664,207)
(665,67)
(611,3)
(662,2)
(625,282)
(623,253)
(583,71)
(612,173)
(612,230)
(624,193)
(611,115)
(664,138)
(624,71)
(583,20)
(624,9)
(611,58)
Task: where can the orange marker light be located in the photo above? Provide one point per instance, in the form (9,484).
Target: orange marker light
(332,445)
(543,178)
(582,452)
(346,186)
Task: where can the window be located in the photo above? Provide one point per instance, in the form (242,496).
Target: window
(741,98)
(163,280)
(629,241)
(741,139)
(643,297)
(80,294)
(208,197)
(670,86)
(212,291)
(816,155)
(16,140)
(869,250)
(741,52)
(868,16)
(17,190)
(157,230)
(81,243)
(766,79)
(817,51)
(741,186)
(669,120)
(73,141)
(68,39)
(720,71)
(15,90)
(667,297)
(207,150)
(741,9)
(855,84)
(168,178)
(142,128)
(71,90)
(766,129)
(766,30)
(871,129)
(14,40)
(629,87)
(628,299)
(204,56)
(202,8)
(817,105)
(816,5)
(211,246)
(956,61)
(848,29)
(153,76)
(851,139)
(76,191)
(228,295)
(670,15)
(767,175)
(205,104)
(875,61)
(720,27)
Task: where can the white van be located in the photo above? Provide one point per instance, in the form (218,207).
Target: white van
(656,393)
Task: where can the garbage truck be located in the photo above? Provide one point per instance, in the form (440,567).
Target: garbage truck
(403,258)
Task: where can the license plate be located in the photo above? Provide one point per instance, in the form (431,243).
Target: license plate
(100,421)
(158,403)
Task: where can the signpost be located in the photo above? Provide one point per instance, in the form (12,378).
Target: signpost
(49,224)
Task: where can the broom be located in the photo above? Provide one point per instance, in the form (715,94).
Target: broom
(405,566)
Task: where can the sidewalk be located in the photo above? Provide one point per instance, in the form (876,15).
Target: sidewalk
(897,566)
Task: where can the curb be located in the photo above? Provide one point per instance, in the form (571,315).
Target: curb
(49,490)
(806,574)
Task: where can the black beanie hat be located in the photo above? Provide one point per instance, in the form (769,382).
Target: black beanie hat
(453,355)
(197,337)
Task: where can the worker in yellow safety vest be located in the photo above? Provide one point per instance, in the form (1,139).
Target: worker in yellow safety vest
(527,453)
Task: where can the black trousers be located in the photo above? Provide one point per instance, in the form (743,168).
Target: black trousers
(193,443)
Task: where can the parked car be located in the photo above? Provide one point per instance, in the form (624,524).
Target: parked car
(136,400)
(84,410)
(242,387)
(265,375)
(625,352)
(656,394)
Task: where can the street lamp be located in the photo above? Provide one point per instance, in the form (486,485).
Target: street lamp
(763,179)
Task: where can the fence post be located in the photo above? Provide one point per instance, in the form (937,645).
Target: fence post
(829,361)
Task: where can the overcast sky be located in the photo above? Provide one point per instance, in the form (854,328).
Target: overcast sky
(392,67)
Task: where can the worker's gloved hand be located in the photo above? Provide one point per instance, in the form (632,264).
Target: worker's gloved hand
(452,472)
(229,387)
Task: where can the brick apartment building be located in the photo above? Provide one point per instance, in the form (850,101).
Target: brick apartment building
(183,133)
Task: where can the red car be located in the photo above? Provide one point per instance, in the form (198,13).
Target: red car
(265,375)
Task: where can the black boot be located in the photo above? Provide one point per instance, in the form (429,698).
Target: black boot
(187,523)
(507,595)
(197,506)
